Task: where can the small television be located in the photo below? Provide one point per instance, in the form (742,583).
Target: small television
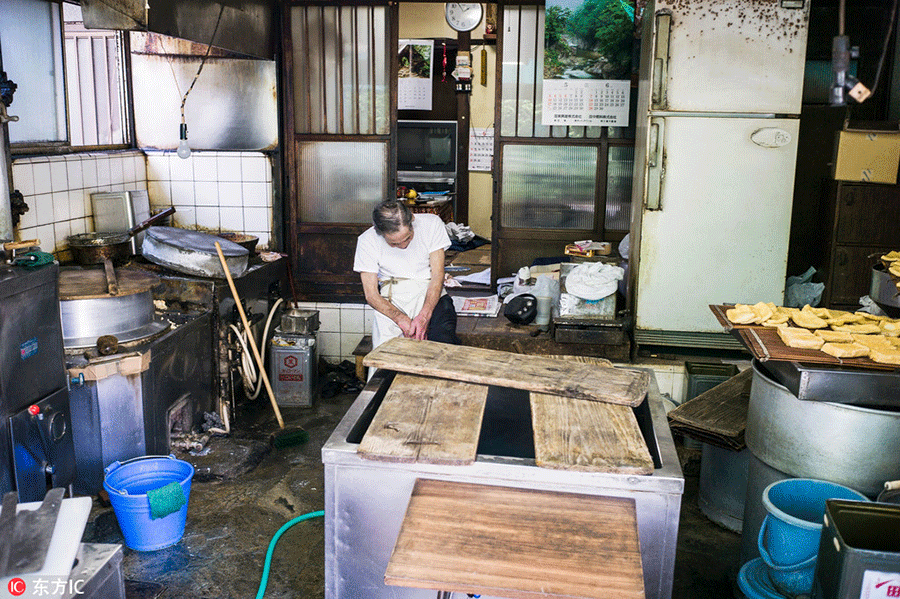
(426,150)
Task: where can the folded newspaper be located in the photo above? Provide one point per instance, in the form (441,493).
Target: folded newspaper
(477,306)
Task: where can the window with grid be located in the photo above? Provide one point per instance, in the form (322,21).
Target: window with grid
(95,83)
(554,177)
(71,81)
(341,110)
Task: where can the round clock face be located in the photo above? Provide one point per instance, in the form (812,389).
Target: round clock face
(463,17)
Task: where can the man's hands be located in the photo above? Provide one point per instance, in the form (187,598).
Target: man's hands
(414,328)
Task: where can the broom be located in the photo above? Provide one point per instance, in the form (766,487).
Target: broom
(284,437)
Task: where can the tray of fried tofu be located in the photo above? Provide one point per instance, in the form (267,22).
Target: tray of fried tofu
(814,335)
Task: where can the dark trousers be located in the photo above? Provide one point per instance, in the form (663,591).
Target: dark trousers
(442,326)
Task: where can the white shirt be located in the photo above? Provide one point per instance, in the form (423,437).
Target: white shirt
(373,254)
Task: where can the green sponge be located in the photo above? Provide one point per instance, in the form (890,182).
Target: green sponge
(166,500)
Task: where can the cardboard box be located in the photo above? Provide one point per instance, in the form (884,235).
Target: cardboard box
(869,156)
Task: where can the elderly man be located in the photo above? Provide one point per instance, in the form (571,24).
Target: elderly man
(401,262)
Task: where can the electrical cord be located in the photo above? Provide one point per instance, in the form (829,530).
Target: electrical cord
(265,575)
(203,61)
(252,380)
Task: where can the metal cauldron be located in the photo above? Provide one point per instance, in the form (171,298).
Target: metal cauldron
(849,445)
(97,248)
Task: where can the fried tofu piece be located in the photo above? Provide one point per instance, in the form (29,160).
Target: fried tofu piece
(741,314)
(777,320)
(763,311)
(834,336)
(808,320)
(846,350)
(872,340)
(885,355)
(859,329)
(890,328)
(870,317)
(799,338)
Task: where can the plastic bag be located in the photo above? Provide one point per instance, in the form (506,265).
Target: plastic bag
(546,286)
(800,291)
(869,306)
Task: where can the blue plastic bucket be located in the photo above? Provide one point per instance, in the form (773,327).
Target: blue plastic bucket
(127,484)
(789,536)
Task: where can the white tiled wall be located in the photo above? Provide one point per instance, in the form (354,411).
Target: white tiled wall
(215,191)
(341,328)
(58,191)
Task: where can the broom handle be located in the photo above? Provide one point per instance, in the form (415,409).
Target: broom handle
(250,338)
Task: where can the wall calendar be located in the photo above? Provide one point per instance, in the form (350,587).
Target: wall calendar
(591,102)
(481,148)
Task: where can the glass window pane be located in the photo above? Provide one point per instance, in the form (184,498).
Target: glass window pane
(340,79)
(618,188)
(341,182)
(32,57)
(95,75)
(548,187)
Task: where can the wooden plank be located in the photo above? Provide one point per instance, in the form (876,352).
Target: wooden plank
(424,419)
(532,373)
(90,283)
(571,434)
(719,415)
(517,543)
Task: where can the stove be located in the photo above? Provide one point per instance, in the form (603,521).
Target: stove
(36,451)
(165,369)
(259,288)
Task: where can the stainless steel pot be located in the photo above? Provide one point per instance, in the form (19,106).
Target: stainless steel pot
(96,248)
(883,289)
(849,445)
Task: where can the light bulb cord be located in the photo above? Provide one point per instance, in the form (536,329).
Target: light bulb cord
(202,62)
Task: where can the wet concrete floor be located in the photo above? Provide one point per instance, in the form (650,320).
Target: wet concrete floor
(244,491)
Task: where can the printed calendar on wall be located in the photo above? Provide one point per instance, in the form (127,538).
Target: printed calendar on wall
(416,59)
(591,102)
(481,148)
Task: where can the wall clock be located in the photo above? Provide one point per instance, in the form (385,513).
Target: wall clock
(462,16)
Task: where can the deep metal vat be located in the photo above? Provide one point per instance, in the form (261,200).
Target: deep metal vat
(365,500)
(788,437)
(845,444)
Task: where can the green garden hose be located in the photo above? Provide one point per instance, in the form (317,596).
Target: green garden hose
(281,531)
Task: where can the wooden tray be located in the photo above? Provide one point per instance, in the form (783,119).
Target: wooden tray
(765,344)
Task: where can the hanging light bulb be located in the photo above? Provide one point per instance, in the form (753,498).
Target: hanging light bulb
(184,150)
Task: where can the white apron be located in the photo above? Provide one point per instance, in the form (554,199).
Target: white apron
(406,294)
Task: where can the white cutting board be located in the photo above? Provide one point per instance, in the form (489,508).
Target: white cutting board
(70,523)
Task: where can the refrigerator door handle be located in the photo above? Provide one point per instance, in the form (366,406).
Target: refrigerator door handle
(655,163)
(661,60)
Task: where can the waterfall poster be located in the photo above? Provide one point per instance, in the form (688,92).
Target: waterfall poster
(588,48)
(414,82)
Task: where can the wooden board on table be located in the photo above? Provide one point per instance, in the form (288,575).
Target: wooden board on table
(423,419)
(571,434)
(531,373)
(719,415)
(517,543)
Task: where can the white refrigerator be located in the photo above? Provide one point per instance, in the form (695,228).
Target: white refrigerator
(717,124)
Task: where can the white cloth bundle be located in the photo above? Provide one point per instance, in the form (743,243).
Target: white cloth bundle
(593,280)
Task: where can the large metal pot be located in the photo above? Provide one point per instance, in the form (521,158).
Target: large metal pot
(96,248)
(845,444)
(883,290)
